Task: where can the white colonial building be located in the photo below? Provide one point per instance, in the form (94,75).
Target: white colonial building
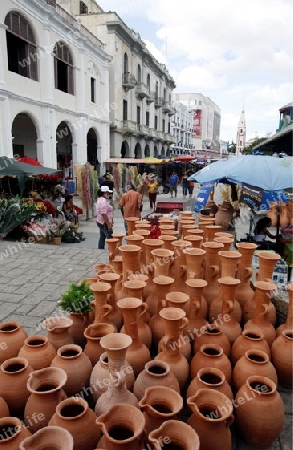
(182,130)
(140,87)
(54,86)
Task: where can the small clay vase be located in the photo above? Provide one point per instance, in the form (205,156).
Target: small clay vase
(100,305)
(12,337)
(211,230)
(178,268)
(226,241)
(50,437)
(114,315)
(212,270)
(155,373)
(122,427)
(157,324)
(74,415)
(93,334)
(211,418)
(196,240)
(175,435)
(228,287)
(14,373)
(229,262)
(288,325)
(282,351)
(112,244)
(162,261)
(194,262)
(212,335)
(167,241)
(131,221)
(77,367)
(244,292)
(198,309)
(180,300)
(160,403)
(254,362)
(249,340)
(38,351)
(262,414)
(211,355)
(76,331)
(262,295)
(210,378)
(58,330)
(267,264)
(13,432)
(46,388)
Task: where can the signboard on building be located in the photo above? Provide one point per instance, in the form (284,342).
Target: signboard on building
(197,118)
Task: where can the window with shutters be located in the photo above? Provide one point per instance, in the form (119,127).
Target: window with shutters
(63,68)
(21,46)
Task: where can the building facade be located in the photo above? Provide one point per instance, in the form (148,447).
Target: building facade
(140,87)
(182,131)
(54,83)
(241,134)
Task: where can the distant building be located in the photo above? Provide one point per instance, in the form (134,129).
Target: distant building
(182,131)
(241,134)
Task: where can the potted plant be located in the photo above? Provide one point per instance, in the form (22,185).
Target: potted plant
(56,229)
(77,302)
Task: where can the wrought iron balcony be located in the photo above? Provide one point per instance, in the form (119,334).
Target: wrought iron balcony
(141,90)
(128,81)
(158,102)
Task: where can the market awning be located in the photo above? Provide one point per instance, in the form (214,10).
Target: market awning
(124,161)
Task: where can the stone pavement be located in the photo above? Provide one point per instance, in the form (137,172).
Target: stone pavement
(33,276)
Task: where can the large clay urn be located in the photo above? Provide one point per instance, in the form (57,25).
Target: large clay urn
(160,403)
(93,334)
(260,322)
(211,355)
(228,262)
(178,268)
(137,353)
(175,435)
(12,337)
(272,213)
(244,293)
(157,323)
(212,270)
(210,378)
(112,244)
(14,373)
(38,351)
(46,391)
(267,264)
(282,358)
(131,221)
(194,262)
(260,411)
(77,365)
(58,330)
(226,300)
(249,340)
(74,415)
(100,304)
(288,325)
(254,362)
(155,373)
(50,437)
(211,419)
(122,427)
(198,309)
(212,335)
(13,432)
(175,321)
(114,315)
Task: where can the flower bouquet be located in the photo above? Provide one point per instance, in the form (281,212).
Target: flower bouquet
(13,212)
(36,232)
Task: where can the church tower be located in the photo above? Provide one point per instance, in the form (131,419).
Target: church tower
(241,134)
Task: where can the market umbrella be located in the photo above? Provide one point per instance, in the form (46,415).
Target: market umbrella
(28,160)
(153,161)
(184,158)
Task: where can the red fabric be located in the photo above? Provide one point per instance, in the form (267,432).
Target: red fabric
(155,232)
(77,209)
(31,161)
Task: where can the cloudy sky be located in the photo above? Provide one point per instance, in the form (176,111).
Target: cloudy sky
(238,53)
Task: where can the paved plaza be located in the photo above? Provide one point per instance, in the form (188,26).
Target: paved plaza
(33,276)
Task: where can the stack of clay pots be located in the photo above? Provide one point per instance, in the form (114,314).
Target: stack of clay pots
(175,332)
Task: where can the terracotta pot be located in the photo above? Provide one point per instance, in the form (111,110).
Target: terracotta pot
(226,241)
(4,410)
(175,435)
(212,335)
(288,325)
(100,377)
(12,337)
(260,411)
(77,366)
(203,224)
(56,240)
(162,261)
(254,362)
(131,263)
(116,345)
(112,244)
(102,268)
(155,373)
(38,351)
(229,262)
(13,433)
(131,221)
(282,351)
(46,388)
(198,306)
(211,418)
(76,331)
(196,240)
(212,206)
(212,270)
(178,268)
(157,324)
(100,305)
(120,237)
(209,378)
(148,269)
(52,437)
(244,293)
(122,427)
(249,339)
(284,216)
(225,234)
(93,334)
(211,355)
(75,416)
(261,297)
(272,213)
(58,330)
(114,315)
(180,300)
(211,230)
(14,373)
(267,264)
(175,321)
(224,215)
(130,308)
(167,241)
(194,262)
(136,239)
(226,296)
(160,403)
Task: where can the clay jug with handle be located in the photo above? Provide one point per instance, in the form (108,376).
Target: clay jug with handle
(175,435)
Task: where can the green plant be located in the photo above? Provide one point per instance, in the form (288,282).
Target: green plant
(14,212)
(57,228)
(77,298)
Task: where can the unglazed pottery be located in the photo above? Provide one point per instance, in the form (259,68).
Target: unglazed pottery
(13,433)
(38,351)
(12,337)
(209,378)
(282,358)
(176,435)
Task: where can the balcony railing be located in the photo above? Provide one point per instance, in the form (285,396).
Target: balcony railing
(128,81)
(143,130)
(141,90)
(150,97)
(166,107)
(158,102)
(129,127)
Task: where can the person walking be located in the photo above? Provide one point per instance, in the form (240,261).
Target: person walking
(184,184)
(153,191)
(131,203)
(104,216)
(173,181)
